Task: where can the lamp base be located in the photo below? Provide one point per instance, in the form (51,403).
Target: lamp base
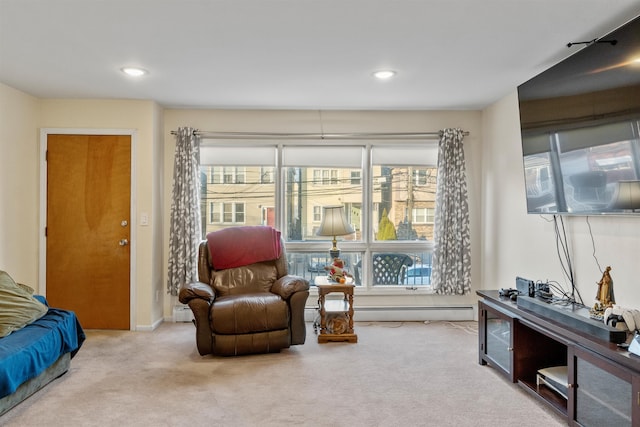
(334,253)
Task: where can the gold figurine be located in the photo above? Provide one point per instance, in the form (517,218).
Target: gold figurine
(604,297)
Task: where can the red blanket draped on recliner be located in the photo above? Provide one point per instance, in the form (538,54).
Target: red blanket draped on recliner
(238,246)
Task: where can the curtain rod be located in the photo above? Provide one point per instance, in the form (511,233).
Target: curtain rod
(327,136)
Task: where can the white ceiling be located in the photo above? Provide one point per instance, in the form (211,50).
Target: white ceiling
(294,54)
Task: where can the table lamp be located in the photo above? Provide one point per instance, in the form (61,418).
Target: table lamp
(334,223)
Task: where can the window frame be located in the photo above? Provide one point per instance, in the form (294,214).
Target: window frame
(367,245)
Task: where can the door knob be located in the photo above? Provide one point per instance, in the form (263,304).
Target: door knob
(123,242)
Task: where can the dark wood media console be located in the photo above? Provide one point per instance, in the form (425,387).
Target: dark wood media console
(602,384)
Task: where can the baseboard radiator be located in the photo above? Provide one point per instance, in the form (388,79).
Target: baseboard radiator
(376,313)
(406,314)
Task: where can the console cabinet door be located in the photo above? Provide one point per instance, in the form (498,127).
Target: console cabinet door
(602,392)
(496,339)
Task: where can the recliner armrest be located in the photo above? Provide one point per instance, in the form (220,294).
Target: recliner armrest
(288,285)
(193,290)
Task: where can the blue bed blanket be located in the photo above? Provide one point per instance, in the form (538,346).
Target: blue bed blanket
(26,353)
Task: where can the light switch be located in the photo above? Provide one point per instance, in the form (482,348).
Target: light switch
(144,218)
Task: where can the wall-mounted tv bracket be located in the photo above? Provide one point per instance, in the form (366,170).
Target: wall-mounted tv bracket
(611,42)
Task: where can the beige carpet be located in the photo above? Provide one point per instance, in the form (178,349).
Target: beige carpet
(398,374)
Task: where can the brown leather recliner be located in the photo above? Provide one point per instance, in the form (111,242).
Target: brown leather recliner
(256,308)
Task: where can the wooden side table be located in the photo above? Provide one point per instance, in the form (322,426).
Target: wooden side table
(336,316)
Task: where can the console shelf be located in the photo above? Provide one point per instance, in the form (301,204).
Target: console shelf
(603,381)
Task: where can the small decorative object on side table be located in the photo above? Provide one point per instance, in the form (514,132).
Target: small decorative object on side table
(335,316)
(604,296)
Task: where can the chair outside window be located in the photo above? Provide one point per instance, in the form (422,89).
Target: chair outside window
(388,269)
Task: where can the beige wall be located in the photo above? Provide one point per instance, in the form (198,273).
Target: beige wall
(308,121)
(19,174)
(517,244)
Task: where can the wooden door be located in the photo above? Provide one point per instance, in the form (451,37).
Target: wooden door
(88,227)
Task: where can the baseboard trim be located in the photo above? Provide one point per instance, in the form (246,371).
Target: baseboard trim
(150,328)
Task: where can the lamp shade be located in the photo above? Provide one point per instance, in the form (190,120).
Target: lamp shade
(626,195)
(334,222)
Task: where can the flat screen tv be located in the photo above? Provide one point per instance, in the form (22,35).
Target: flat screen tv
(580,123)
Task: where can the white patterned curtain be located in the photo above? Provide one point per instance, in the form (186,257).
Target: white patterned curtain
(451,273)
(185,233)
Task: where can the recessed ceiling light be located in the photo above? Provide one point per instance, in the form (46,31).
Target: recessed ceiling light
(135,72)
(384,74)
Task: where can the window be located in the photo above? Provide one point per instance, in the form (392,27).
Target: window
(214,213)
(420,176)
(233,213)
(387,190)
(325,176)
(233,175)
(404,193)
(214,175)
(334,177)
(266,175)
(226,175)
(226,212)
(423,215)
